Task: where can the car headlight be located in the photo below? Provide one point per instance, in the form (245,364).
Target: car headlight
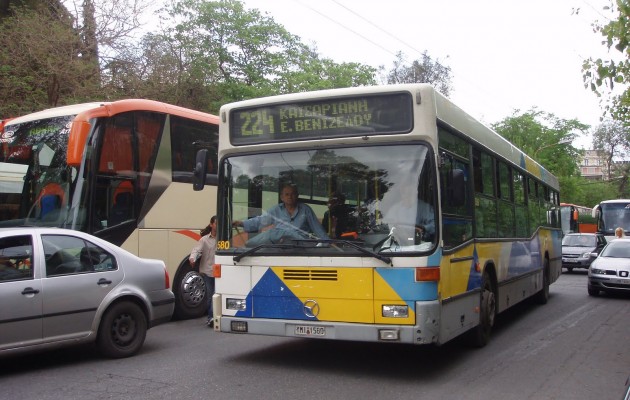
(598,271)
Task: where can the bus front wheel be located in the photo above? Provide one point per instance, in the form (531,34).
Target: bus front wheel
(190,292)
(480,335)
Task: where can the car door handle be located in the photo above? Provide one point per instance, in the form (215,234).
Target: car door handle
(103,281)
(30,290)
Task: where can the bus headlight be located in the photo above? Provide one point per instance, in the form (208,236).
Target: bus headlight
(235,304)
(395,311)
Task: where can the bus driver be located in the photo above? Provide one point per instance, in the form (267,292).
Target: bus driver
(288,219)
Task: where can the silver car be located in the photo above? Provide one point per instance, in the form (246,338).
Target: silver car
(610,272)
(60,287)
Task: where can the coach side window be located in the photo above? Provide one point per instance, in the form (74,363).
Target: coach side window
(188,137)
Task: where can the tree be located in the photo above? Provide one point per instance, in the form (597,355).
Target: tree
(602,74)
(545,138)
(612,138)
(231,53)
(39,60)
(423,70)
(51,55)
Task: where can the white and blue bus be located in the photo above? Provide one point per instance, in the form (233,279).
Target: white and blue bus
(445,223)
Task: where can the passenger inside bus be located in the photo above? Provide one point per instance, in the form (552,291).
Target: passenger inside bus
(289,219)
(338,221)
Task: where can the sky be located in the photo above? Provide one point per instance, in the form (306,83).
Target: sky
(504,55)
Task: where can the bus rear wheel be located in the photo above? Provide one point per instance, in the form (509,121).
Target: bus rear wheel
(542,297)
(190,292)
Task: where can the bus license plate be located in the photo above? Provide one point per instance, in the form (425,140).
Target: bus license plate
(306,330)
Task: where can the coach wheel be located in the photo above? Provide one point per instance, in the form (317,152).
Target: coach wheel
(480,335)
(190,292)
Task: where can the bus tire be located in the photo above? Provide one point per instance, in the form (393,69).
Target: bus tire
(479,336)
(542,297)
(122,330)
(190,292)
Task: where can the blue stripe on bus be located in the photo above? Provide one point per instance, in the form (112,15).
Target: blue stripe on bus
(271,298)
(402,281)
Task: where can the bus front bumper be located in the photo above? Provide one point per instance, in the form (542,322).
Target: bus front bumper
(426,331)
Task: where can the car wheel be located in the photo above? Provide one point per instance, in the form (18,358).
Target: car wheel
(190,293)
(569,269)
(543,295)
(122,331)
(592,291)
(479,336)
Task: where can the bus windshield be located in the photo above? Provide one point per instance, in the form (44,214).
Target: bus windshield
(613,216)
(377,198)
(34,176)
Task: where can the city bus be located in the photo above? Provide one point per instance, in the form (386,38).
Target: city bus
(395,152)
(120,170)
(612,214)
(577,219)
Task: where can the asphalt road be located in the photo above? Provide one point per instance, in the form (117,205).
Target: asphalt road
(575,347)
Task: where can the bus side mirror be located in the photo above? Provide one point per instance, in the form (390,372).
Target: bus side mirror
(201,166)
(595,212)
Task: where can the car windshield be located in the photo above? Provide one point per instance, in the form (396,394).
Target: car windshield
(579,241)
(617,249)
(350,201)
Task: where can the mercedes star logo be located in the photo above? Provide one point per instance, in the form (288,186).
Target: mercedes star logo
(311,308)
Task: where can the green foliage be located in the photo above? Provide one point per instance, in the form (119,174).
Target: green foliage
(581,191)
(544,137)
(41,65)
(603,74)
(209,53)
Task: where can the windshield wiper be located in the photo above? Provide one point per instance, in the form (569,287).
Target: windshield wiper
(253,250)
(296,242)
(363,250)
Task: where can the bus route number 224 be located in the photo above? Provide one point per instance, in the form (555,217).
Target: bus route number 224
(257,122)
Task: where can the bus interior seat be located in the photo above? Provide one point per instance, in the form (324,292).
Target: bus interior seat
(50,203)
(121,211)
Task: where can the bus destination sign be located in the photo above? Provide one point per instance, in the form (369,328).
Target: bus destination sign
(373,114)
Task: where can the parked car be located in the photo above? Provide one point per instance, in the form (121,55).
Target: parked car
(610,272)
(580,249)
(61,287)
